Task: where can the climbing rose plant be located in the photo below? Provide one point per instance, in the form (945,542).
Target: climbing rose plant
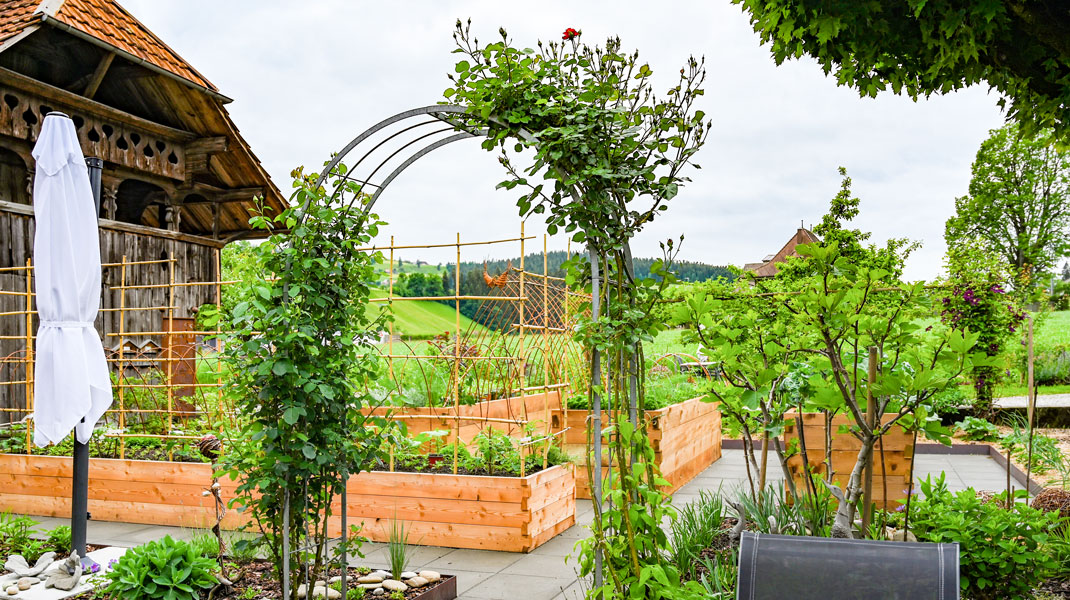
(605,155)
(299,354)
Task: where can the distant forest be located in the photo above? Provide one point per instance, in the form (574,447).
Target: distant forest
(439,282)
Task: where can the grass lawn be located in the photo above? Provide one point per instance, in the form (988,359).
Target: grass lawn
(1052,328)
(422,318)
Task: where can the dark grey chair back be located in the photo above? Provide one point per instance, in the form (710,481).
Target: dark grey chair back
(776,567)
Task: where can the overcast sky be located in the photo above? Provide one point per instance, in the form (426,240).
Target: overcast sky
(308,76)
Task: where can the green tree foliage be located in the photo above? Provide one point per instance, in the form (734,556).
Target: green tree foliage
(923,47)
(301,365)
(611,154)
(420,285)
(806,348)
(1019,202)
(851,243)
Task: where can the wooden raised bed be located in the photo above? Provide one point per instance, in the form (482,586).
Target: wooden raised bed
(462,511)
(514,514)
(442,418)
(898,456)
(686,438)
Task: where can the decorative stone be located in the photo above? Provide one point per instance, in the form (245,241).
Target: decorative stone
(336,579)
(394,585)
(430,576)
(302,591)
(370,579)
(12,590)
(407,575)
(383,574)
(18,565)
(333,594)
(417,581)
(25,583)
(319,592)
(65,575)
(378,591)
(371,586)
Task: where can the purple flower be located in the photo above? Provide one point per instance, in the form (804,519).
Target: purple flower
(94,568)
(996,289)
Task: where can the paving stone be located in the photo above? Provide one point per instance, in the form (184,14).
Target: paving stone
(486,561)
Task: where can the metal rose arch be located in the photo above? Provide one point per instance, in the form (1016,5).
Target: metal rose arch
(383,152)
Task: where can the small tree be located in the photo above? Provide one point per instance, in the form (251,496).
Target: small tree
(806,348)
(1019,203)
(301,363)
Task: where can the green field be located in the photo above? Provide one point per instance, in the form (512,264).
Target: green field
(422,318)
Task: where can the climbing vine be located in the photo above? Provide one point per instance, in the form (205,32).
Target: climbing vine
(602,155)
(301,368)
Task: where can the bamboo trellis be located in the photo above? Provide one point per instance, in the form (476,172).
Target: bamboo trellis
(528,350)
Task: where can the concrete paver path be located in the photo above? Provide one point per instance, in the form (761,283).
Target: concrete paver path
(545,573)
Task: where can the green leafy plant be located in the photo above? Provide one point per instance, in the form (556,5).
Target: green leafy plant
(979,430)
(353,591)
(16,537)
(1003,553)
(300,356)
(164,569)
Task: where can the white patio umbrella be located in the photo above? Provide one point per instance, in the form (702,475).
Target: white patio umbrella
(71,388)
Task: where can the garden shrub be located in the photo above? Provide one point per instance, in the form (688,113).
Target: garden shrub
(162,569)
(1003,552)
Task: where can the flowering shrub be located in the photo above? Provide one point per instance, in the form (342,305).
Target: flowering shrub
(977,301)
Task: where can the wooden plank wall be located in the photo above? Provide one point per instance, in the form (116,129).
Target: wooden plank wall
(686,438)
(194,263)
(898,456)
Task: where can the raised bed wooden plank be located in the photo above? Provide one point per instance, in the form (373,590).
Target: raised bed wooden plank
(460,511)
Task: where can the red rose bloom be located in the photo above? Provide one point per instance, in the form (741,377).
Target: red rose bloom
(569,34)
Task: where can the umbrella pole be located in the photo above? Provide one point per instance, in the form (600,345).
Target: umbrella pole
(80,490)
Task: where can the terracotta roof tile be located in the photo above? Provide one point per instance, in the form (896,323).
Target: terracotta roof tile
(110,23)
(106,21)
(15,16)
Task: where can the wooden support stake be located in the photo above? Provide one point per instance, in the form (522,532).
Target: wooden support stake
(457,356)
(522,352)
(170,390)
(390,296)
(122,343)
(545,346)
(1031,412)
(871,422)
(29,354)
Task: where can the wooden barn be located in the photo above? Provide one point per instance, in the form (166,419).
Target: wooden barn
(178,182)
